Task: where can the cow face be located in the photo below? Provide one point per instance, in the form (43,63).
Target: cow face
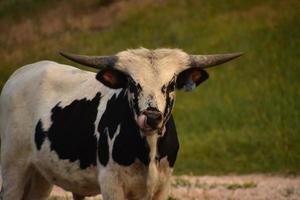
(150,78)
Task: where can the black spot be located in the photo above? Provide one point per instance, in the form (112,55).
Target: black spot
(168,144)
(171,85)
(169,106)
(135,89)
(39,135)
(72,131)
(167,89)
(128,145)
(103,150)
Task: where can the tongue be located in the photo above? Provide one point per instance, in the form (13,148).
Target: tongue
(142,121)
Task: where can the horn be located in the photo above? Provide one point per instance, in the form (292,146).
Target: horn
(205,61)
(98,62)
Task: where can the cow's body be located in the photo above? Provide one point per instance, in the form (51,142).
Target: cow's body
(110,132)
(55,133)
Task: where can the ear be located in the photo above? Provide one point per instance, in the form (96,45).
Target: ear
(112,78)
(191,78)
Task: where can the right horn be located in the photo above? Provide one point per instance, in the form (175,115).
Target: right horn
(98,62)
(205,61)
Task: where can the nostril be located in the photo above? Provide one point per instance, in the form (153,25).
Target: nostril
(153,118)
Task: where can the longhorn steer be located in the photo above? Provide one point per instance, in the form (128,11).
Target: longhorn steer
(109,132)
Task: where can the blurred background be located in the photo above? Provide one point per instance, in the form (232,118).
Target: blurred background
(244,119)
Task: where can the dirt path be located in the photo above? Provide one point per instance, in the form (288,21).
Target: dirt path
(247,187)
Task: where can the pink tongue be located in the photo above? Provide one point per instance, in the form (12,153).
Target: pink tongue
(141,121)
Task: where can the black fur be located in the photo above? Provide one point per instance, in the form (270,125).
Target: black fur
(135,89)
(39,136)
(167,89)
(168,145)
(71,134)
(103,148)
(128,145)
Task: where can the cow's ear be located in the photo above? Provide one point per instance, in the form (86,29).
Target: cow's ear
(112,78)
(191,78)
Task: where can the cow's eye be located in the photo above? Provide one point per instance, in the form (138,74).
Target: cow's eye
(134,86)
(169,87)
(113,78)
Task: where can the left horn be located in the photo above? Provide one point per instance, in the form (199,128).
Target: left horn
(205,61)
(98,62)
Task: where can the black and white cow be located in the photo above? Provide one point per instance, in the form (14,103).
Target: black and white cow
(109,132)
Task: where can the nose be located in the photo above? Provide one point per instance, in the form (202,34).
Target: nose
(153,118)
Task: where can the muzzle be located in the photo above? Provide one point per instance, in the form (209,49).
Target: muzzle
(150,120)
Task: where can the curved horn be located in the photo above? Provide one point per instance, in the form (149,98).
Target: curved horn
(205,61)
(98,62)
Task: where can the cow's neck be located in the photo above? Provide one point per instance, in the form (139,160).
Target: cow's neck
(117,124)
(152,168)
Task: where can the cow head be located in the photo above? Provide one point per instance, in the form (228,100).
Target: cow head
(150,78)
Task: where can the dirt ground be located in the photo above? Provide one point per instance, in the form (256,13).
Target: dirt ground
(246,187)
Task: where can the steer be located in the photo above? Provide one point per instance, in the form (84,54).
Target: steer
(109,132)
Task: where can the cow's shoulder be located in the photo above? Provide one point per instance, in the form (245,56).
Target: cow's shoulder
(43,69)
(47,78)
(72,131)
(62,75)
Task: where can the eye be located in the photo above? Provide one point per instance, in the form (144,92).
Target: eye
(163,89)
(133,86)
(169,87)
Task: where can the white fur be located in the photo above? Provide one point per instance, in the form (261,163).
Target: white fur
(152,69)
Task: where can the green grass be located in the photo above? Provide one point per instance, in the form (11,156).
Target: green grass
(246,117)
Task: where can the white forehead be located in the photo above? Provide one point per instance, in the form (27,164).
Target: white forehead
(152,66)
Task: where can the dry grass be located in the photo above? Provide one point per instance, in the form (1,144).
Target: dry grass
(248,187)
(63,17)
(58,21)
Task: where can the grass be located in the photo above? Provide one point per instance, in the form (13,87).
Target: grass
(288,192)
(235,186)
(244,119)
(180,182)
(186,183)
(59,198)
